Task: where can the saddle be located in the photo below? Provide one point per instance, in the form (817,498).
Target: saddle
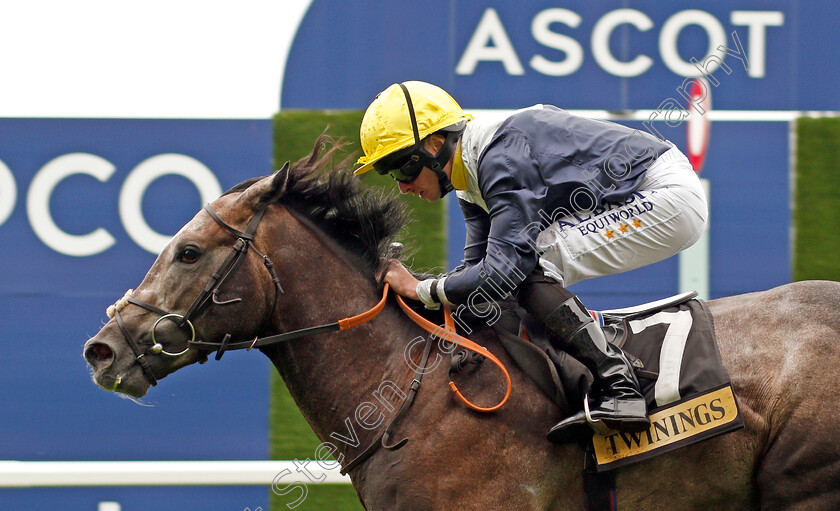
(672,347)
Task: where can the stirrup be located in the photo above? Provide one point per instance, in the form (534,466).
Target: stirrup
(597,425)
(577,426)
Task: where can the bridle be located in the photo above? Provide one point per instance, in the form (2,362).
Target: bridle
(209,295)
(234,259)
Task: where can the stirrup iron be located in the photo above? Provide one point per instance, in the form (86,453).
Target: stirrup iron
(597,425)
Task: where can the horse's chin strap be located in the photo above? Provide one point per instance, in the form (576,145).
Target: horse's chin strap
(139,355)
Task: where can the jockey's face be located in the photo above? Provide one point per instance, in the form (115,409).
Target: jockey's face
(426,185)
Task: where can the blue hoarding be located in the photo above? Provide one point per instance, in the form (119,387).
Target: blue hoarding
(74,241)
(611,55)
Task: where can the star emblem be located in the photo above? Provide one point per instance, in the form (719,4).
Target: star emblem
(623,228)
(609,234)
(637,223)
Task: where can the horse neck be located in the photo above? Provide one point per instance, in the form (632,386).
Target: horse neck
(330,375)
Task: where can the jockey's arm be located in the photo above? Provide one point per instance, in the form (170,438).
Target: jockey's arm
(508,254)
(478,228)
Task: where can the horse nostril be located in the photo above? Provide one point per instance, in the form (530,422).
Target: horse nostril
(98,353)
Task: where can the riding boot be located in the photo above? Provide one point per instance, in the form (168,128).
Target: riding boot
(617,401)
(619,405)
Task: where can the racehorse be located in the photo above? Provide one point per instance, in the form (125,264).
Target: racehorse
(309,244)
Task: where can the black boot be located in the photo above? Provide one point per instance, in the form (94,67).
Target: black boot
(619,404)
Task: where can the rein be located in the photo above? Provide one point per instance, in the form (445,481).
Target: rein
(446,333)
(451,336)
(231,263)
(259,342)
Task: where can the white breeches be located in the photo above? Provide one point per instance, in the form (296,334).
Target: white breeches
(665,215)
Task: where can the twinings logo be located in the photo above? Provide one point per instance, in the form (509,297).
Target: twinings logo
(684,422)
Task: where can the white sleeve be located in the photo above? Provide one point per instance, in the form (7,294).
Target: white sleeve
(424,293)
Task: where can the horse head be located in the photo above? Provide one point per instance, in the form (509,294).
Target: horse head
(214,269)
(250,264)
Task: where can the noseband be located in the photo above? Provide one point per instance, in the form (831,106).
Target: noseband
(235,258)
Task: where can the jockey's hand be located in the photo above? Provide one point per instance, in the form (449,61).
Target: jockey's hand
(402,282)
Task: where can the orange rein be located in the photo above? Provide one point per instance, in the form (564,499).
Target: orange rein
(451,336)
(456,339)
(347,323)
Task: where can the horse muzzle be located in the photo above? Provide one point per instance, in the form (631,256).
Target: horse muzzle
(114,369)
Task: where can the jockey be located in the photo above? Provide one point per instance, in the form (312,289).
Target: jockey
(549,199)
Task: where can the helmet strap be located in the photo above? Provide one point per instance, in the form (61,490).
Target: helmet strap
(437,162)
(444,182)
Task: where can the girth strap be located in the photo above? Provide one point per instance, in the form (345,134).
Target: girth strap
(598,487)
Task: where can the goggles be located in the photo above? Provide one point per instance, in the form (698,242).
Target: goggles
(404,168)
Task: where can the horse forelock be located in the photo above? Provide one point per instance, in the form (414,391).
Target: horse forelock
(362,219)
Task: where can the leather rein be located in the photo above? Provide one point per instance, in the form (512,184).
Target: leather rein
(209,295)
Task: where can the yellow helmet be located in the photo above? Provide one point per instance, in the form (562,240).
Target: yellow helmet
(401,116)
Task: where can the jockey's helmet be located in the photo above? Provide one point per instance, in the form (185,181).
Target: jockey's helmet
(397,122)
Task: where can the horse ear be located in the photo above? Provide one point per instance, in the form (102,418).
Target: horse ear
(268,189)
(279,183)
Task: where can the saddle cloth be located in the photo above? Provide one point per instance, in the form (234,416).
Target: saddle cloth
(671,344)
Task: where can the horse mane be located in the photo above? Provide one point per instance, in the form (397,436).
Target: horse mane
(362,219)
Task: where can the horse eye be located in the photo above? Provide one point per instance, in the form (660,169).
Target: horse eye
(188,255)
